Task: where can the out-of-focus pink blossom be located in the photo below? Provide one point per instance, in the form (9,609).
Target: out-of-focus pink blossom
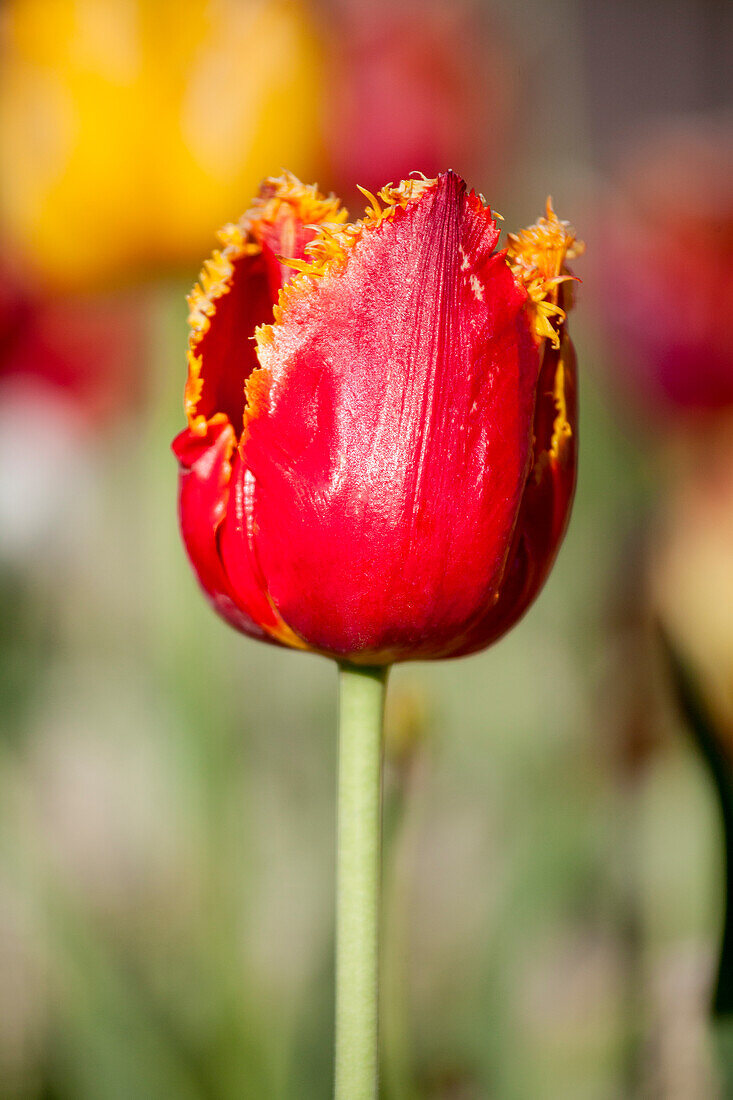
(665,279)
(85,350)
(424,86)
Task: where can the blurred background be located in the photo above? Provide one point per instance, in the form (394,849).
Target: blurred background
(554,856)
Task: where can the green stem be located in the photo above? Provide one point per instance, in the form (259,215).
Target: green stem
(361,710)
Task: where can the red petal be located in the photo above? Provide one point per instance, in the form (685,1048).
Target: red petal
(391,446)
(203,498)
(225,348)
(237,290)
(236,546)
(547,499)
(216,526)
(236,293)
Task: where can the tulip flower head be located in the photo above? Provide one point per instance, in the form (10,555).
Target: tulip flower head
(379,461)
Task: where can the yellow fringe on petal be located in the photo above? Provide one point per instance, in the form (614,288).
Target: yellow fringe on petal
(334,241)
(561,428)
(327,252)
(214,281)
(279,196)
(537,258)
(304,201)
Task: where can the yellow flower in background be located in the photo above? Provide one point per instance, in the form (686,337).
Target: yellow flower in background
(129,128)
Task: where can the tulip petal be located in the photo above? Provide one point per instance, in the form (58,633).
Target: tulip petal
(547,499)
(203,497)
(236,292)
(236,547)
(225,353)
(213,501)
(389,431)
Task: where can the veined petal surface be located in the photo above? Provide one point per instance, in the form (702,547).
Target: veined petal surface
(202,505)
(237,291)
(389,433)
(547,499)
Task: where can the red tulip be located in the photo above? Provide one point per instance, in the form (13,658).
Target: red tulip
(379,461)
(673,199)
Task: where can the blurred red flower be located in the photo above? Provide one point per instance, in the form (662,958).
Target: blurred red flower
(417,84)
(82,349)
(385,471)
(666,282)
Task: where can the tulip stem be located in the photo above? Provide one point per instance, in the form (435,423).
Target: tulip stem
(358,863)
